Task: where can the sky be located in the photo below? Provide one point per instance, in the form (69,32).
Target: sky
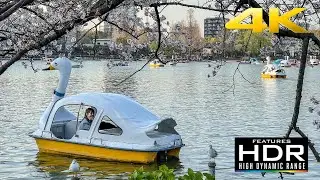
(178,13)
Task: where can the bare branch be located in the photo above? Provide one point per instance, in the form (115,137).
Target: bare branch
(122,29)
(233,79)
(159,34)
(96,25)
(31,62)
(133,73)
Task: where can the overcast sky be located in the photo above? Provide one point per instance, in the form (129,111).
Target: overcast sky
(178,13)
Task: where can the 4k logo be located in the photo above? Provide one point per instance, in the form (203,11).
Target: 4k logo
(274,20)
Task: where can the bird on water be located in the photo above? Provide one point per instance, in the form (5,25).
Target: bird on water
(74,167)
(212,152)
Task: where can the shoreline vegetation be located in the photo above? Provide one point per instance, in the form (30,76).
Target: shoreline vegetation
(165,173)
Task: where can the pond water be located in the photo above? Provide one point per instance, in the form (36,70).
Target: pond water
(206,113)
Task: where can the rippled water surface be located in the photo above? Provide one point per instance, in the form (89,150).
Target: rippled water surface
(205,111)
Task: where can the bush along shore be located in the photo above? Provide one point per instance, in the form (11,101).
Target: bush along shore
(164,173)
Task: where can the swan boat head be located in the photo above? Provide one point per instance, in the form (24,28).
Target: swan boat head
(63,65)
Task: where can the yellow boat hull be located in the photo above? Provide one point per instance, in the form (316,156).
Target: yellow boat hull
(96,152)
(272,76)
(156,65)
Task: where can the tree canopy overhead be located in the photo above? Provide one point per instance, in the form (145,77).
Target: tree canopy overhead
(28,25)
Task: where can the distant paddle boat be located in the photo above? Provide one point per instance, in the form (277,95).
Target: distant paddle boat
(156,63)
(254,61)
(172,63)
(285,62)
(293,62)
(121,64)
(244,60)
(122,129)
(273,70)
(314,61)
(48,60)
(77,66)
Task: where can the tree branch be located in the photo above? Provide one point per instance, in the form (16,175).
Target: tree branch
(122,29)
(11,8)
(159,34)
(38,15)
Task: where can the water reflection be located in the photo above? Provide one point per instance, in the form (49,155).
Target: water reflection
(270,89)
(56,166)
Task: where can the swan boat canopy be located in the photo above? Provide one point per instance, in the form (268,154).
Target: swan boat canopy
(121,130)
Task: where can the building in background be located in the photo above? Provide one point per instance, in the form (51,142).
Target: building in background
(102,42)
(107,28)
(213,26)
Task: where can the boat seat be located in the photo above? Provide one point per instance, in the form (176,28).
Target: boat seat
(57,130)
(70,129)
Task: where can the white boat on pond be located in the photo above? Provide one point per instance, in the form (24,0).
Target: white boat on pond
(121,128)
(285,62)
(314,61)
(273,70)
(156,63)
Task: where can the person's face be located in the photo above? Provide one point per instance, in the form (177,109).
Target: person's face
(90,115)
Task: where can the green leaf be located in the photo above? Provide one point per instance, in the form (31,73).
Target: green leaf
(186,177)
(198,176)
(191,173)
(134,175)
(208,176)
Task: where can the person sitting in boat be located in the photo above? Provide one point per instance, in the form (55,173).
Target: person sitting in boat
(87,120)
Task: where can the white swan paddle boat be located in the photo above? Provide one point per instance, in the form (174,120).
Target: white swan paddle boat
(122,129)
(273,70)
(156,63)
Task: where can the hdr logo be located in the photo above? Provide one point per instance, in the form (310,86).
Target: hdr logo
(274,20)
(271,154)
